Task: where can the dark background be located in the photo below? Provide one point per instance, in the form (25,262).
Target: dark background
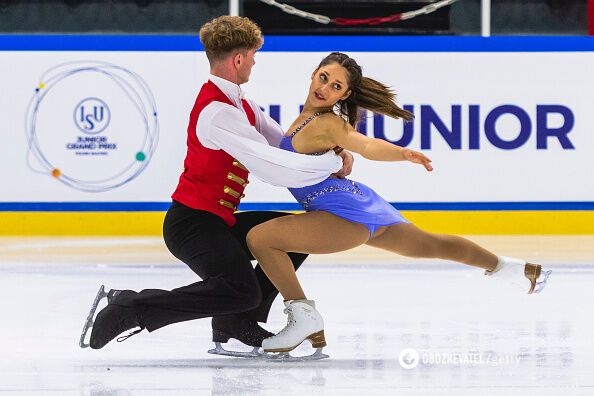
(538,17)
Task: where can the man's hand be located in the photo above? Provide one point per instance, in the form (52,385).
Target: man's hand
(347,164)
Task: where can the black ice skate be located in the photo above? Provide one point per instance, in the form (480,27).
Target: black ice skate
(242,329)
(111,321)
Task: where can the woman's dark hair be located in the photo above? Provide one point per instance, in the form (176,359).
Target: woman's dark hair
(365,92)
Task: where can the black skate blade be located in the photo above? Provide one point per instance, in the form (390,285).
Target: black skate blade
(219,350)
(287,357)
(101,294)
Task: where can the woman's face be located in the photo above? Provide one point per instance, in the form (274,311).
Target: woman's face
(328,85)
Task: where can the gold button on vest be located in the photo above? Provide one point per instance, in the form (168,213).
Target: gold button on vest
(232,192)
(227,204)
(237,179)
(239,165)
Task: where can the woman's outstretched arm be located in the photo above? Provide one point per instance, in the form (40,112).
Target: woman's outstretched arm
(344,135)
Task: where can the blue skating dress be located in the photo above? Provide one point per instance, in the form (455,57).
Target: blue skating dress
(353,201)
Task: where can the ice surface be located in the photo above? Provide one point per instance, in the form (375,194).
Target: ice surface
(543,344)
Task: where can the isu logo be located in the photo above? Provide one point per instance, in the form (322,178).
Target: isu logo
(92,116)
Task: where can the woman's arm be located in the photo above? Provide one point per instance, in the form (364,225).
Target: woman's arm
(344,135)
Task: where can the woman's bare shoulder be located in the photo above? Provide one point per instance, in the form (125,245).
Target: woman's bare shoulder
(333,122)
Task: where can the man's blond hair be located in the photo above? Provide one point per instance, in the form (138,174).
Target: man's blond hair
(226,34)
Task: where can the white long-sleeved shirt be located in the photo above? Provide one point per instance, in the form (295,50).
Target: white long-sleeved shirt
(224,127)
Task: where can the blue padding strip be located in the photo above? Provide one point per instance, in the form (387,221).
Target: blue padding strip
(143,42)
(163,206)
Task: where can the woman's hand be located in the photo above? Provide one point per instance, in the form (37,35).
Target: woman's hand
(417,158)
(347,164)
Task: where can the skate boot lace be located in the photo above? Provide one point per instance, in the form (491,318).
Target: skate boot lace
(125,337)
(290,321)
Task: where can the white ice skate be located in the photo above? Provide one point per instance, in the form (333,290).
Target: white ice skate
(526,276)
(304,323)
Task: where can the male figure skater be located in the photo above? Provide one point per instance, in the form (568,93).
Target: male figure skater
(228,138)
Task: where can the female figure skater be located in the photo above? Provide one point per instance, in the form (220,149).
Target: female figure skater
(342,214)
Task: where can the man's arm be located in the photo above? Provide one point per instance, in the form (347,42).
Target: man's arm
(225,127)
(273,133)
(266,125)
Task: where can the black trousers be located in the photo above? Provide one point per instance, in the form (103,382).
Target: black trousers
(219,255)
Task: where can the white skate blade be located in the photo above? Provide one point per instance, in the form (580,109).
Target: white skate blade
(286,356)
(101,294)
(541,282)
(219,350)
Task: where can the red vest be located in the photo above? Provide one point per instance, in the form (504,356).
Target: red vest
(212,180)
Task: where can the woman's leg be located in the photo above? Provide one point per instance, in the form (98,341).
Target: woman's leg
(312,232)
(409,240)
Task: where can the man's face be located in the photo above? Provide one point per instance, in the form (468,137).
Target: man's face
(246,60)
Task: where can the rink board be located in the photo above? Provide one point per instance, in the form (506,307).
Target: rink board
(151,223)
(102,120)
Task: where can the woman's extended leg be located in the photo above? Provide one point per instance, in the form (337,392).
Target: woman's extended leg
(312,232)
(409,240)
